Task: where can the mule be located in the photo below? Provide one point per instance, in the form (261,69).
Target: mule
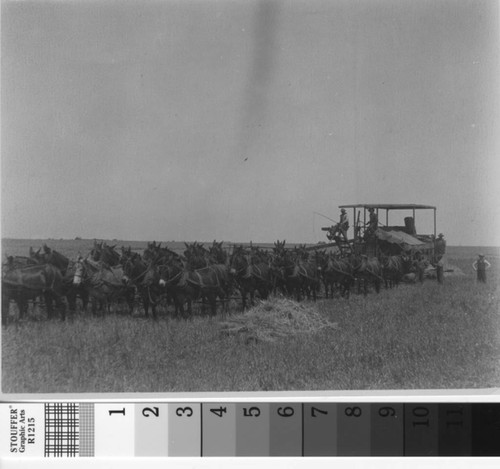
(392,270)
(101,252)
(337,272)
(145,278)
(368,270)
(26,283)
(173,278)
(104,284)
(251,273)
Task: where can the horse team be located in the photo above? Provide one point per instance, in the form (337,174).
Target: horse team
(208,275)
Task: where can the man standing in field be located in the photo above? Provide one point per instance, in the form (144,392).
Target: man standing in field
(439,247)
(440,271)
(481,265)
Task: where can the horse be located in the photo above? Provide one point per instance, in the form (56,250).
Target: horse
(368,270)
(336,272)
(104,284)
(145,277)
(392,270)
(251,272)
(173,278)
(217,254)
(73,290)
(101,252)
(211,282)
(29,282)
(196,256)
(300,273)
(185,283)
(19,295)
(278,260)
(51,256)
(159,255)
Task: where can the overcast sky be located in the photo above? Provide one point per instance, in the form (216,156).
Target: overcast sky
(237,120)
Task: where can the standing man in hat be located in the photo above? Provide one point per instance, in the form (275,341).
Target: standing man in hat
(439,247)
(481,265)
(372,223)
(343,224)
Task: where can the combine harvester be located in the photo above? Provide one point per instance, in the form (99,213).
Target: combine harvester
(372,233)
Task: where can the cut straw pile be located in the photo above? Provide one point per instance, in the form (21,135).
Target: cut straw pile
(276,318)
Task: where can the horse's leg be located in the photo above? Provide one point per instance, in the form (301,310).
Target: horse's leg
(145,303)
(48,305)
(177,310)
(224,298)
(243,293)
(264,291)
(84,296)
(212,301)
(60,306)
(71,299)
(347,287)
(189,307)
(5,308)
(186,307)
(153,302)
(177,306)
(181,300)
(131,302)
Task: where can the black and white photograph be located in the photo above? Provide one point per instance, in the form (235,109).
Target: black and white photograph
(224,196)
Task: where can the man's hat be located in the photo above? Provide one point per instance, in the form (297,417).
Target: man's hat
(342,210)
(481,255)
(371,209)
(440,235)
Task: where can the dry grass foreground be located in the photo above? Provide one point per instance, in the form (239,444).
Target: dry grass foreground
(413,337)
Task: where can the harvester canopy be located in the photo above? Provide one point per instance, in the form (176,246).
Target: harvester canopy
(405,241)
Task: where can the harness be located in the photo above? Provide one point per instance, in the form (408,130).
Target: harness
(340,271)
(201,284)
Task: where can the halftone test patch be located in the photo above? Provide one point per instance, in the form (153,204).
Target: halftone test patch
(69,430)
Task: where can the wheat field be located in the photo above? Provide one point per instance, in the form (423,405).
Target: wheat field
(422,336)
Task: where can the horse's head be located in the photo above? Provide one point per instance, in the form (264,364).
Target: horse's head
(217,254)
(238,260)
(126,253)
(96,252)
(56,259)
(132,267)
(149,253)
(109,256)
(36,257)
(170,273)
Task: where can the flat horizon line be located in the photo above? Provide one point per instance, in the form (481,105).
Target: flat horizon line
(205,242)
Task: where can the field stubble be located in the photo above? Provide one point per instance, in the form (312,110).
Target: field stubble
(413,337)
